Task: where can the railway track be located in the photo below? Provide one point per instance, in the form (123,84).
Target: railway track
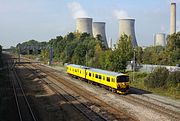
(94,107)
(135,91)
(24,108)
(160,109)
(90,115)
(174,115)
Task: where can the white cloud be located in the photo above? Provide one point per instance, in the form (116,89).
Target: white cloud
(120,14)
(77,10)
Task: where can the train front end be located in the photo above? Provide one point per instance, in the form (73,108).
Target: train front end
(122,84)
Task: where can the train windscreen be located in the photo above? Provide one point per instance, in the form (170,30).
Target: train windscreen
(122,79)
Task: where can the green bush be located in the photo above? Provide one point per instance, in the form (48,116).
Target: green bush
(173,79)
(137,75)
(157,78)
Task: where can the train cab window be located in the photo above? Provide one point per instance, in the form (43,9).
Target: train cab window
(112,80)
(108,79)
(122,79)
(96,76)
(89,74)
(99,76)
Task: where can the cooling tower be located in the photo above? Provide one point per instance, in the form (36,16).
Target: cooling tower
(99,29)
(84,25)
(126,26)
(173,18)
(110,43)
(159,39)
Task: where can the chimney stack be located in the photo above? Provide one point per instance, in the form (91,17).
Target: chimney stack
(173,18)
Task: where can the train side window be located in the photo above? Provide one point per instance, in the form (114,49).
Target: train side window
(80,71)
(99,76)
(108,79)
(93,74)
(96,76)
(89,74)
(103,77)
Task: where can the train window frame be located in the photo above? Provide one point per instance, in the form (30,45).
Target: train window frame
(108,79)
(112,80)
(103,77)
(96,75)
(89,74)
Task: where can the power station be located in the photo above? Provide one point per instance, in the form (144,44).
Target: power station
(126,26)
(173,18)
(99,29)
(160,39)
(110,44)
(84,25)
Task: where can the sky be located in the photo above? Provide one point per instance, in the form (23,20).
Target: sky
(42,20)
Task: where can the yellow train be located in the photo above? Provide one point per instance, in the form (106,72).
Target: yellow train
(116,82)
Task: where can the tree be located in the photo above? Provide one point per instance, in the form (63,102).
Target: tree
(152,55)
(139,54)
(122,53)
(79,54)
(173,48)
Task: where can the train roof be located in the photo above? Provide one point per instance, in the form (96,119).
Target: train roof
(110,73)
(78,66)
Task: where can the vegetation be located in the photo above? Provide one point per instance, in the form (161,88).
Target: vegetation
(86,50)
(160,81)
(157,78)
(169,55)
